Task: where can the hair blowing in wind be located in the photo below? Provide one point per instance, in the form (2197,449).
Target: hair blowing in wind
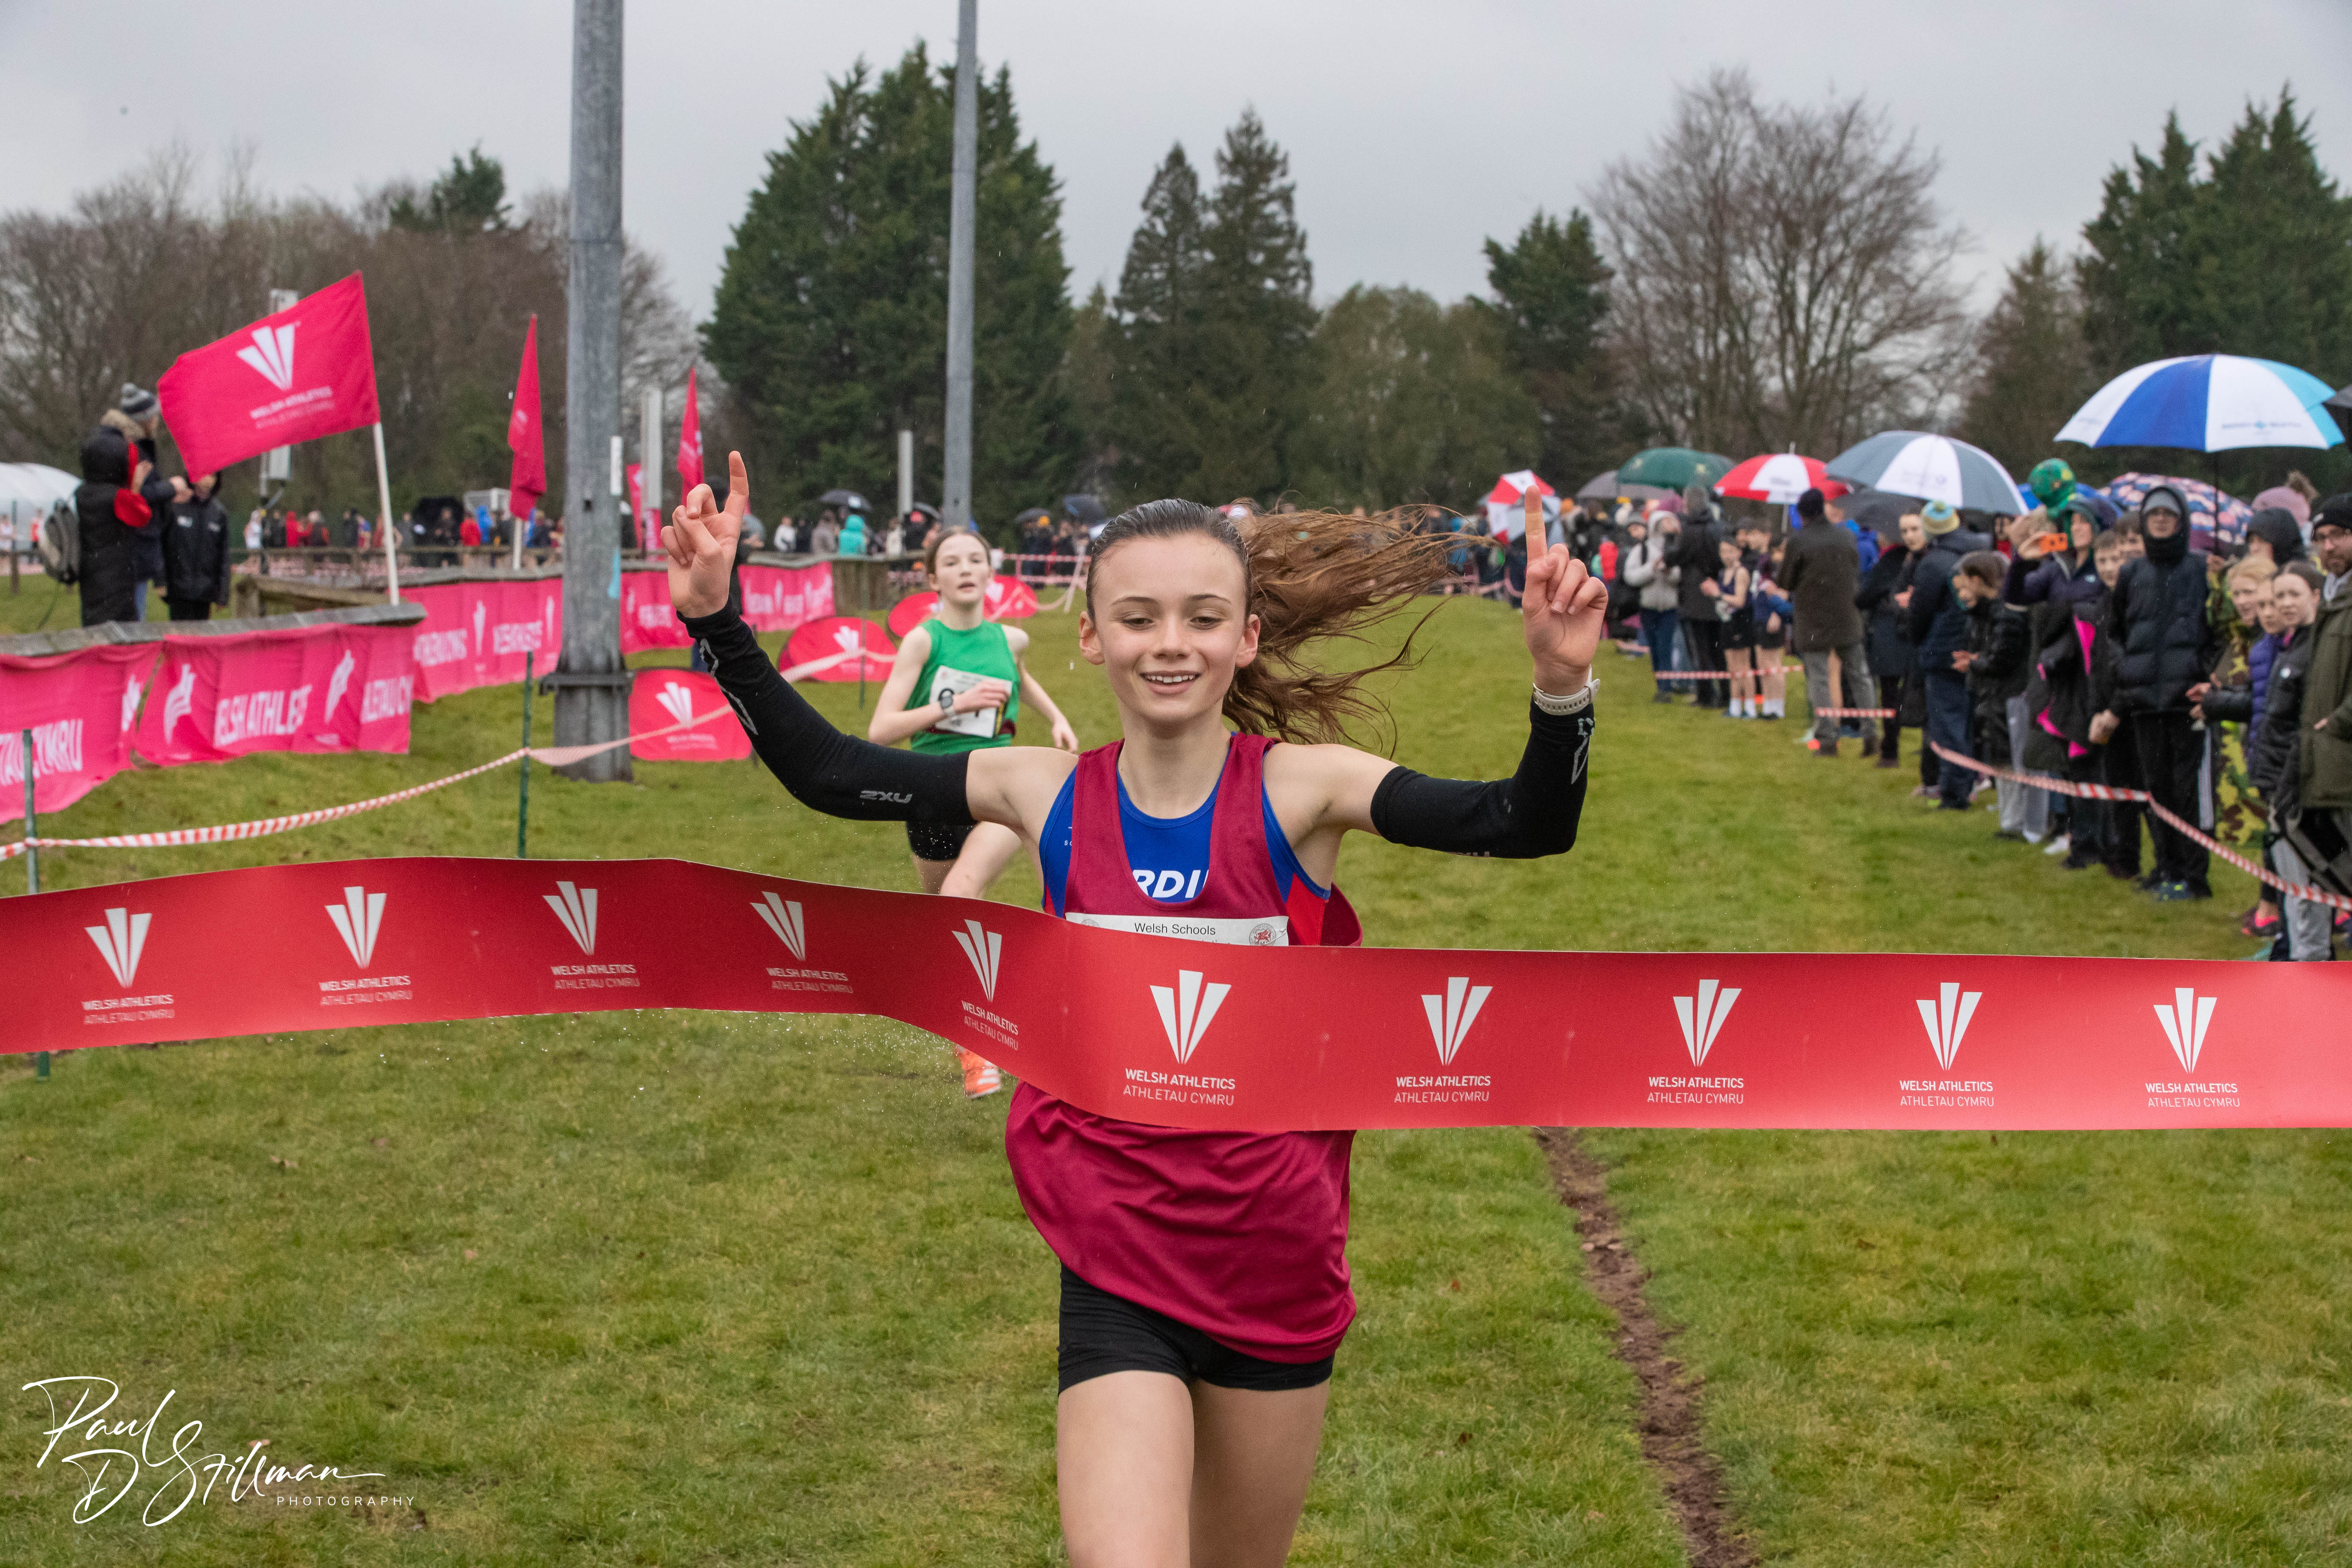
(1312,577)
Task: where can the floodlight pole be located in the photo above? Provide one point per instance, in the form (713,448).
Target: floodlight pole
(589,682)
(955,498)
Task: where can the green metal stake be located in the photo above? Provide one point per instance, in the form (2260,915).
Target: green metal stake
(32,865)
(523,807)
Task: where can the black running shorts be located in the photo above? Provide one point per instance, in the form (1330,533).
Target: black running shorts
(938,840)
(1105,1333)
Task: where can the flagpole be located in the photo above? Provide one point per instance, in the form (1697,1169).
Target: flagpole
(383,497)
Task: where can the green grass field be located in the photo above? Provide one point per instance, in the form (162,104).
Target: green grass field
(689,1288)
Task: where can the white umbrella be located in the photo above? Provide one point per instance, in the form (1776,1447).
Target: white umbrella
(38,484)
(1932,468)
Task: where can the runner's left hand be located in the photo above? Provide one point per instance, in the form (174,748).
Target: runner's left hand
(1564,612)
(1065,737)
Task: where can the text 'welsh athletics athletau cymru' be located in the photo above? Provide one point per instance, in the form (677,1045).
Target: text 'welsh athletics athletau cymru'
(1205,1035)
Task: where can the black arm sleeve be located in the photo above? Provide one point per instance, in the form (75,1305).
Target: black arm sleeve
(1531,814)
(824,769)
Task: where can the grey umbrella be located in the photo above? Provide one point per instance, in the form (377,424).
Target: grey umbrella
(1605,487)
(1933,468)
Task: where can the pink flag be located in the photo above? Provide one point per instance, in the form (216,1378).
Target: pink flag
(637,505)
(689,443)
(530,481)
(307,371)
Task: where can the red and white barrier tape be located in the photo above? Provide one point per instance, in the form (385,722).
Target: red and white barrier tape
(1852,712)
(1193,1034)
(554,757)
(2254,869)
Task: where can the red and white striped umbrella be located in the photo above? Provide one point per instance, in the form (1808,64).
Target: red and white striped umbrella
(1778,477)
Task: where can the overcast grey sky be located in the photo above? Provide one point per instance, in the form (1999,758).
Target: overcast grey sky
(1414,131)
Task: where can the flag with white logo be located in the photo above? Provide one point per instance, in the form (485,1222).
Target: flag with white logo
(307,371)
(661,698)
(527,480)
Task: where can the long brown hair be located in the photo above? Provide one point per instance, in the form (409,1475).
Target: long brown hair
(1310,577)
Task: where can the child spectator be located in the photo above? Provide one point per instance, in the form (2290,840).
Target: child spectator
(1772,611)
(1727,591)
(2165,645)
(1995,658)
(2301,929)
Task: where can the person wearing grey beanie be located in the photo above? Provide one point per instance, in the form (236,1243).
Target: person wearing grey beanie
(139,404)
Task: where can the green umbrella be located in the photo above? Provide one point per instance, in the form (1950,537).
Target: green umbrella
(1673,468)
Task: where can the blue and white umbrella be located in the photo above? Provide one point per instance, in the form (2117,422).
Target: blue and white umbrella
(1932,468)
(2207,402)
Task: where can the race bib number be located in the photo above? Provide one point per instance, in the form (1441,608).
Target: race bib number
(948,683)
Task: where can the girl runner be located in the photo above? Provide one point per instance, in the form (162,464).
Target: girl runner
(958,686)
(1204,1283)
(1728,589)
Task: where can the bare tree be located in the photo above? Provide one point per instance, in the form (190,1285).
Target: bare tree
(1784,275)
(143,268)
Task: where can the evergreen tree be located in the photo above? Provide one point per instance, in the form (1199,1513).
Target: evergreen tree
(2033,368)
(1158,346)
(1551,297)
(467,197)
(1259,313)
(2254,258)
(830,321)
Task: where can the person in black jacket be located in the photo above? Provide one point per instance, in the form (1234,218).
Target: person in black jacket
(118,504)
(1699,558)
(1885,597)
(1938,629)
(195,554)
(2000,663)
(2274,754)
(2165,644)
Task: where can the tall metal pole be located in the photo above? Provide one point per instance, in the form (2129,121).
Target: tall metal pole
(906,473)
(591,685)
(955,500)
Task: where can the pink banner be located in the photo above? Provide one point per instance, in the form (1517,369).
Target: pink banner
(646,618)
(662,699)
(783,598)
(80,707)
(316,688)
(1008,599)
(1197,1034)
(776,599)
(869,649)
(477,634)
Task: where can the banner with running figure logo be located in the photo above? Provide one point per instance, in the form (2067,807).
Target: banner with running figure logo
(80,707)
(479,633)
(311,689)
(1206,1035)
(776,599)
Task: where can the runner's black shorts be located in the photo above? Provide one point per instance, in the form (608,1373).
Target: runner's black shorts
(1104,1333)
(938,840)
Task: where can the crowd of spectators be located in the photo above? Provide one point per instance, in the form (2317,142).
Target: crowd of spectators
(2075,642)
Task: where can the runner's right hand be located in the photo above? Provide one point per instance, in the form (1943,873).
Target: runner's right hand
(700,538)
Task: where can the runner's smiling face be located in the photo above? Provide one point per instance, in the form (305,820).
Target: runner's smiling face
(1168,626)
(962,572)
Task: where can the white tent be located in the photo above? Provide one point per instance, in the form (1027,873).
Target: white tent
(38,484)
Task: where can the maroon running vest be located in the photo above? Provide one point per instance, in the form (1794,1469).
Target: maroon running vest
(1240,1235)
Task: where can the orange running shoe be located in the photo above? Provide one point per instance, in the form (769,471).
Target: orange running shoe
(980,1075)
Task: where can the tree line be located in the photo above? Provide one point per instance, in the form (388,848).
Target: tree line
(1762,275)
(150,265)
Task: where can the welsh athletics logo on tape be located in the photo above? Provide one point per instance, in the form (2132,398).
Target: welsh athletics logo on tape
(122,939)
(576,908)
(782,916)
(1186,1011)
(1946,1017)
(2184,1022)
(986,950)
(1702,1021)
(357,919)
(1451,1015)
